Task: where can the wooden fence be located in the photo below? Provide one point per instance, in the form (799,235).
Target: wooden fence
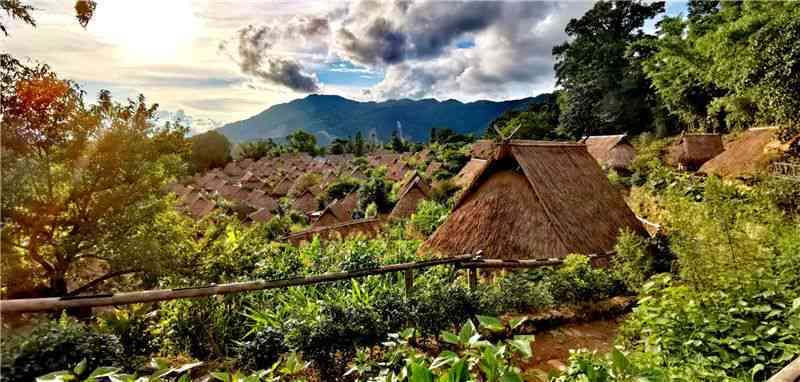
(785,170)
(469,262)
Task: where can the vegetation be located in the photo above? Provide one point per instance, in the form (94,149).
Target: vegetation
(209,150)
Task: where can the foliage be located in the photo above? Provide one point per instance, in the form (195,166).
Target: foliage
(605,90)
(576,281)
(468,357)
(752,330)
(209,150)
(538,121)
(340,188)
(81,183)
(443,191)
(263,349)
(163,372)
(634,261)
(615,366)
(135,327)
(303,142)
(256,149)
(428,217)
(56,345)
(519,291)
(376,190)
(16,10)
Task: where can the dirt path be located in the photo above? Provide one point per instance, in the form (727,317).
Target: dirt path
(551,347)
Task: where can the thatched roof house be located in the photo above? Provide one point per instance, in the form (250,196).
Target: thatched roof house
(692,150)
(306,202)
(260,199)
(474,167)
(412,193)
(334,213)
(261,215)
(747,155)
(534,200)
(482,149)
(367,227)
(201,207)
(611,151)
(283,186)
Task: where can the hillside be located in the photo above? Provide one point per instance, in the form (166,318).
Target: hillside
(330,116)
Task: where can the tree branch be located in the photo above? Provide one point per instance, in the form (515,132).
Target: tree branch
(101,279)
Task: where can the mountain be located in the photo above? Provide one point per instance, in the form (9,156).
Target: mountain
(331,116)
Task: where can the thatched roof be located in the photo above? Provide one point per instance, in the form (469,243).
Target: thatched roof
(260,199)
(201,207)
(368,227)
(232,169)
(261,215)
(433,167)
(747,155)
(692,150)
(412,193)
(612,151)
(306,202)
(482,149)
(536,200)
(472,169)
(334,213)
(283,186)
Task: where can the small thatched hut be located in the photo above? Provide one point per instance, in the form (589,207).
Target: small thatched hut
(611,151)
(534,200)
(367,227)
(747,155)
(474,167)
(261,215)
(283,186)
(306,202)
(201,207)
(334,213)
(692,150)
(412,193)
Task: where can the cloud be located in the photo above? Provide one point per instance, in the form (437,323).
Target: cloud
(258,51)
(443,49)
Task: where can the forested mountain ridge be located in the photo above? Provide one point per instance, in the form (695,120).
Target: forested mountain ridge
(330,116)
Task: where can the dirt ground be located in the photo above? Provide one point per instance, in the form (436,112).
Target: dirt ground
(551,347)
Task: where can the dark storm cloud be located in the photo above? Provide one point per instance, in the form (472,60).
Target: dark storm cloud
(382,43)
(253,44)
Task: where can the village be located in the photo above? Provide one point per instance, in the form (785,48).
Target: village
(399,191)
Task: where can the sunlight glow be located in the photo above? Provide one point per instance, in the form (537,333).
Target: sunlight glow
(146,30)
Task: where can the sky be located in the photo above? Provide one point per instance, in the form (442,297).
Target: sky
(214,62)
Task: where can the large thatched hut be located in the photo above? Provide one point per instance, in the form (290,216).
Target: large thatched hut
(692,150)
(414,191)
(611,151)
(532,200)
(751,153)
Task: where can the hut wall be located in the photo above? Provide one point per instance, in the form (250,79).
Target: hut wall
(407,205)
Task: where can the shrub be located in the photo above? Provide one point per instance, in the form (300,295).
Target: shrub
(633,262)
(515,292)
(263,349)
(54,346)
(428,217)
(578,282)
(750,332)
(135,327)
(440,305)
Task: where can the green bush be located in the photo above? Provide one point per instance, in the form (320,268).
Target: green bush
(634,262)
(428,217)
(439,305)
(748,332)
(263,349)
(136,328)
(54,346)
(578,282)
(515,292)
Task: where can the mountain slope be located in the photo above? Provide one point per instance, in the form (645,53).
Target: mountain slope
(330,116)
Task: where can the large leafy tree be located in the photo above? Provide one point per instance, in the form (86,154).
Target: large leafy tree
(302,142)
(81,183)
(730,65)
(210,149)
(605,90)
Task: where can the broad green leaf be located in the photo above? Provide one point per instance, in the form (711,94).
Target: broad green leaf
(450,338)
(80,368)
(523,344)
(491,323)
(515,322)
(56,376)
(458,372)
(419,373)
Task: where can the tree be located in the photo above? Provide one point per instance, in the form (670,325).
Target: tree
(84,10)
(539,121)
(209,150)
(604,91)
(358,145)
(375,190)
(255,150)
(302,142)
(81,183)
(730,65)
(397,144)
(339,146)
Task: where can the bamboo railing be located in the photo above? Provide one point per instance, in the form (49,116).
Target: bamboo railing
(471,262)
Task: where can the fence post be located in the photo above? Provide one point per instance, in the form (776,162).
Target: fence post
(473,278)
(409,274)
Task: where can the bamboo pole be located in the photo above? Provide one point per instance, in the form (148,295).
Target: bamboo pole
(534,263)
(59,303)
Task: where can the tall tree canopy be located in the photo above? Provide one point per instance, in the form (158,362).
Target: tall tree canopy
(81,183)
(302,142)
(209,150)
(730,65)
(605,90)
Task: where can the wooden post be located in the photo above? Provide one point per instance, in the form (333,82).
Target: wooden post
(409,274)
(473,278)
